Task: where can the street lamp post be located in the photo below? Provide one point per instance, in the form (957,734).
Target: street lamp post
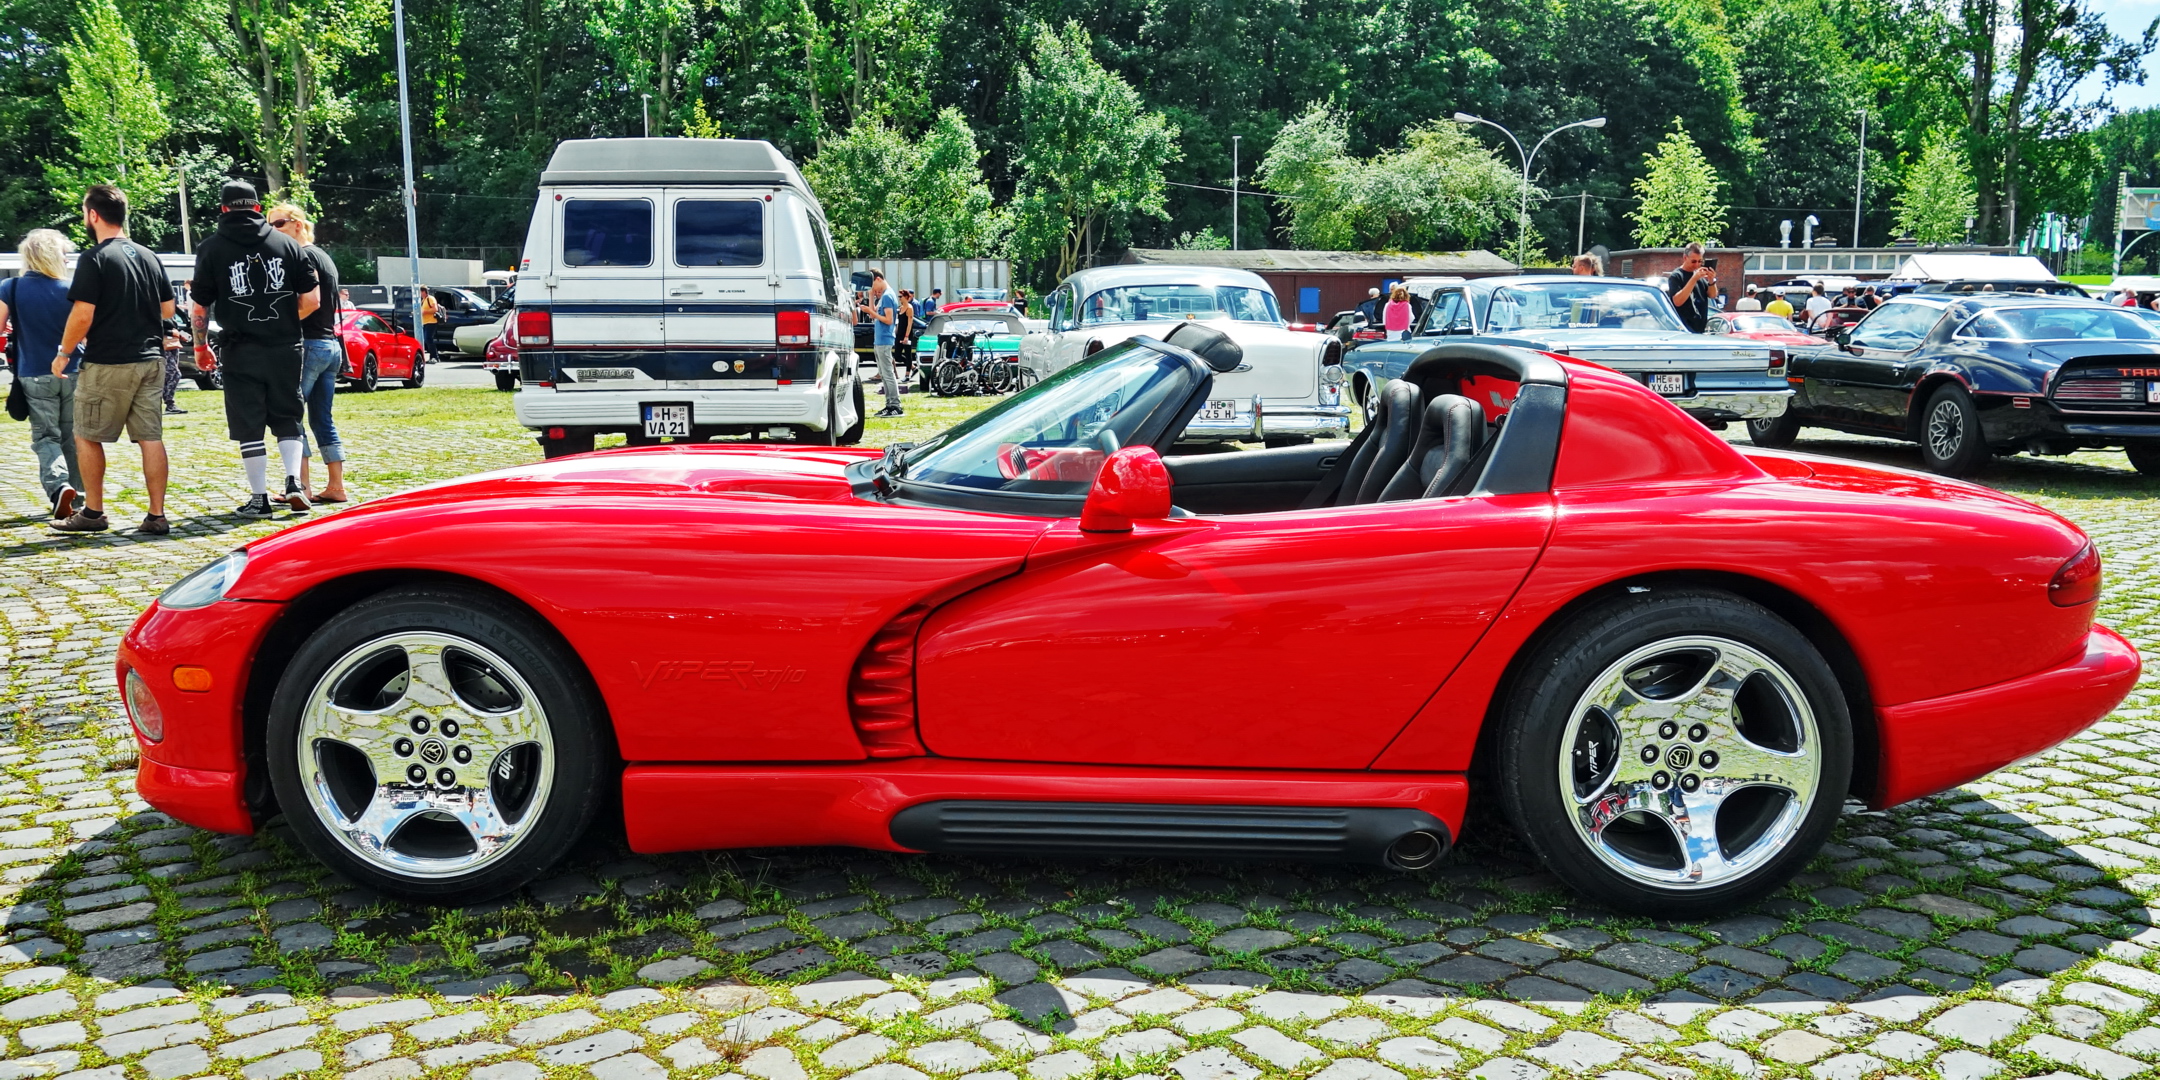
(412,195)
(1522,218)
(1234,191)
(1859,188)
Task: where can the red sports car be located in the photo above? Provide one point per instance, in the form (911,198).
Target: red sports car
(1667,658)
(1765,327)
(375,350)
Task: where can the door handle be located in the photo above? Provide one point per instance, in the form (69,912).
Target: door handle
(686,290)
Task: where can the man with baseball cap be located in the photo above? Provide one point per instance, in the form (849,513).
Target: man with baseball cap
(261,286)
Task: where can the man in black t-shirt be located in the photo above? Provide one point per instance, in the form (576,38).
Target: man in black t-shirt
(122,299)
(1691,287)
(260,286)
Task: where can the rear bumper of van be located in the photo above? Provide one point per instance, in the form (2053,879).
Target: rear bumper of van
(609,410)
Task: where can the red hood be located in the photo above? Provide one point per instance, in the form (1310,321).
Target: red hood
(808,473)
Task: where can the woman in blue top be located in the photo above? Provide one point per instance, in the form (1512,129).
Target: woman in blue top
(35,307)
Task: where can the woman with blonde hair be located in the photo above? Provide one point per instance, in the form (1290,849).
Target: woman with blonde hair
(322,357)
(35,309)
(1396,315)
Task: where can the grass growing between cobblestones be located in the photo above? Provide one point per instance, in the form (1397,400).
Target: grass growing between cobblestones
(2002,930)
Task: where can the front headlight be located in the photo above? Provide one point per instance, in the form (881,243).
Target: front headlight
(142,707)
(205,586)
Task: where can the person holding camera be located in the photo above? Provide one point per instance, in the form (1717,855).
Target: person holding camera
(1691,286)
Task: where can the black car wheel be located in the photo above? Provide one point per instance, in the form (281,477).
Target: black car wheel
(1950,439)
(854,433)
(2144,457)
(437,744)
(810,436)
(209,380)
(1368,399)
(1675,753)
(505,381)
(369,376)
(419,373)
(574,442)
(1775,433)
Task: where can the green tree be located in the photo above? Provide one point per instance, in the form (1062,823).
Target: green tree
(862,179)
(1090,153)
(953,215)
(647,41)
(1938,195)
(289,55)
(116,115)
(1205,240)
(1804,93)
(1440,189)
(1679,193)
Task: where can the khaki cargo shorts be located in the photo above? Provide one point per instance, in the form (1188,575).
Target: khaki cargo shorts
(109,397)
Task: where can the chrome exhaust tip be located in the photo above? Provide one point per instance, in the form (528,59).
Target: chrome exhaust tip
(1416,850)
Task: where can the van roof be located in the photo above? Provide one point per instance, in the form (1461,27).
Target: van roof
(671,161)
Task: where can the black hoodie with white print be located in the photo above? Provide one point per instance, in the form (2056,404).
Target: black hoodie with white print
(250,276)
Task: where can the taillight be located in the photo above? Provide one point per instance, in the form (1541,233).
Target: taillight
(2078,582)
(535,326)
(792,327)
(1777,362)
(1310,328)
(1368,335)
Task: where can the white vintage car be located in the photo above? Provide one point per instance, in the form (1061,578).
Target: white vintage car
(1289,389)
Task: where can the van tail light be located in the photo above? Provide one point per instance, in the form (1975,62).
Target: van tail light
(1777,363)
(2078,582)
(792,327)
(535,326)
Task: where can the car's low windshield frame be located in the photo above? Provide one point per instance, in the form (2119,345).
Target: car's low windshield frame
(1174,302)
(1652,306)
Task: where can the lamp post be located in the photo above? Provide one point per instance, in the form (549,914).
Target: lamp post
(1522,217)
(1859,187)
(645,112)
(1234,191)
(412,195)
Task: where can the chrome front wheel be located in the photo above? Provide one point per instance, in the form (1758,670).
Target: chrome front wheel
(425,753)
(438,743)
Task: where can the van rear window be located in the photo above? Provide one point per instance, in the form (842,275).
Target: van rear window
(719,232)
(607,232)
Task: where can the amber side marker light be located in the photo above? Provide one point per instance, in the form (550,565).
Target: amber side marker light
(194,680)
(2078,582)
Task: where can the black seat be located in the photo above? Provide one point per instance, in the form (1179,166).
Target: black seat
(1396,430)
(1447,442)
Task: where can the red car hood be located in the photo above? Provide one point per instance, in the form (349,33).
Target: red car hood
(809,473)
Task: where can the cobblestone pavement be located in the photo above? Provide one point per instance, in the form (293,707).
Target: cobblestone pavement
(2005,929)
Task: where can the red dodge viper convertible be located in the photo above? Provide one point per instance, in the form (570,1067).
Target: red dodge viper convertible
(1668,659)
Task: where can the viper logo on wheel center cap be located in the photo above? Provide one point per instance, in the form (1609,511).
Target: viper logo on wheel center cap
(434,752)
(1679,757)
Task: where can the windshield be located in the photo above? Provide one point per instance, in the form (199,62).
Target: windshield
(1140,303)
(1590,305)
(2061,324)
(983,294)
(1762,324)
(1051,438)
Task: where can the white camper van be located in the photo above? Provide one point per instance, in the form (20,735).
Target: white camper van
(678,289)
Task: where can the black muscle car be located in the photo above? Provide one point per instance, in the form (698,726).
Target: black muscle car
(1970,376)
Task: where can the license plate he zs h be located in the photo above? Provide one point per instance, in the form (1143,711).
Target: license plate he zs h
(1669,385)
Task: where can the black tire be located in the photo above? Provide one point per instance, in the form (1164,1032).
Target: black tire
(854,433)
(208,381)
(419,374)
(1541,730)
(1776,433)
(369,378)
(2144,457)
(809,436)
(505,381)
(1951,442)
(1368,399)
(564,783)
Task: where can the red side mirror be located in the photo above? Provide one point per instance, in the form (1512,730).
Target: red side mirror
(1132,486)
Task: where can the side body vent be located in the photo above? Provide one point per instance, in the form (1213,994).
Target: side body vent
(1401,837)
(881,689)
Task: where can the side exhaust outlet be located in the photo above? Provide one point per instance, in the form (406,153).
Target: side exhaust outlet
(1416,851)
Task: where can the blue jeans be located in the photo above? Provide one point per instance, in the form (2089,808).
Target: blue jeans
(321,362)
(52,431)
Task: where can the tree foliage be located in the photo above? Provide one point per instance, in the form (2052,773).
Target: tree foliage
(1090,154)
(116,114)
(1938,195)
(886,194)
(1440,190)
(1680,202)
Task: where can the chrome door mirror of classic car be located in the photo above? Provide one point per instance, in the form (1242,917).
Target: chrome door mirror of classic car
(1132,486)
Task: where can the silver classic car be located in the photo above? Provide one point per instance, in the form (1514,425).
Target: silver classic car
(1625,325)
(1289,388)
